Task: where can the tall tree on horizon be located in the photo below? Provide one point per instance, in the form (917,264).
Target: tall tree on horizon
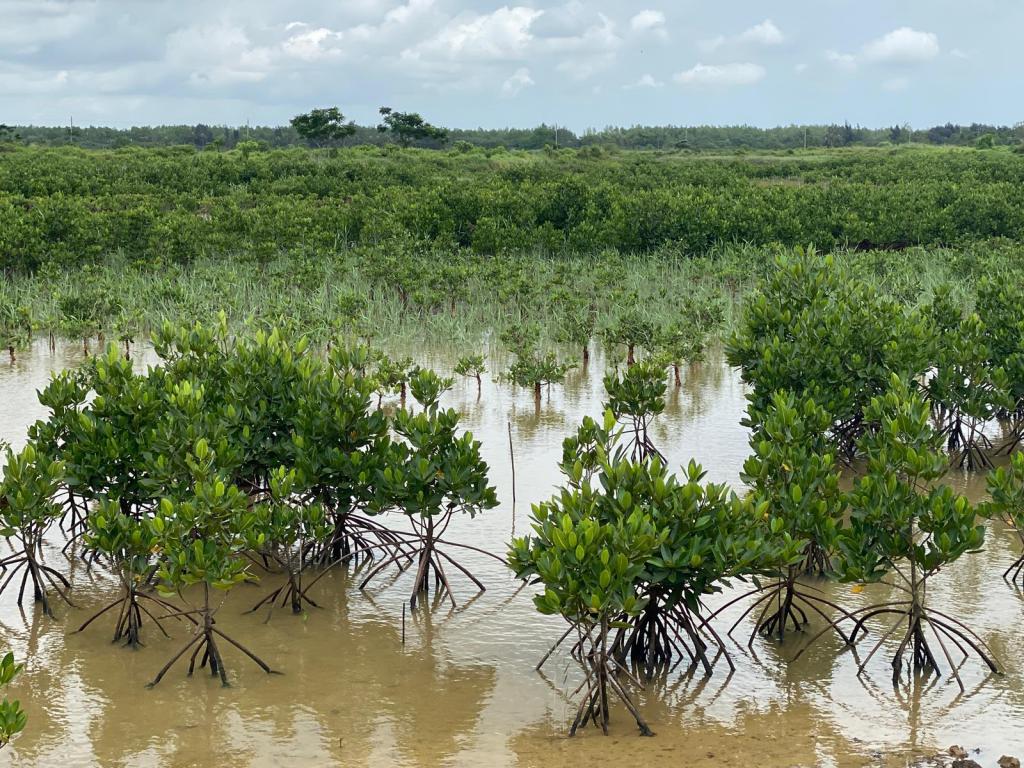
(320,126)
(408,127)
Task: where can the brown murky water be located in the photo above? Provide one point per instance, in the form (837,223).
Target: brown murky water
(462,690)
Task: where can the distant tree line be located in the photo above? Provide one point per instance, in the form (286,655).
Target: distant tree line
(328,128)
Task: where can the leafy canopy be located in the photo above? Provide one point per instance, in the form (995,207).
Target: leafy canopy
(320,126)
(408,127)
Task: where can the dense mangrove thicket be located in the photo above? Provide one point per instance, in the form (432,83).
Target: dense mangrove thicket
(71,207)
(637,250)
(697,137)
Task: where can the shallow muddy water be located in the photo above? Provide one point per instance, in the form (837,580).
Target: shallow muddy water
(462,691)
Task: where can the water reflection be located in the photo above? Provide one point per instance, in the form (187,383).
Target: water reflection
(462,690)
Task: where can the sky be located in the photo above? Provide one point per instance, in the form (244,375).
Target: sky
(470,63)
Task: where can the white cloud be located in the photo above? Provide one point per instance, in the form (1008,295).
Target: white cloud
(403,14)
(471,47)
(312,44)
(394,21)
(646,81)
(844,61)
(516,82)
(956,53)
(902,46)
(764,34)
(741,73)
(649,21)
(499,36)
(222,54)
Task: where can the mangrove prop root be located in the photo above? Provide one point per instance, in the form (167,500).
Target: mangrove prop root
(789,599)
(129,622)
(1017,571)
(289,593)
(553,648)
(661,637)
(206,638)
(357,538)
(39,574)
(915,653)
(424,550)
(600,677)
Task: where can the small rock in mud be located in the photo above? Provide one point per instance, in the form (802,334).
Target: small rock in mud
(1008,762)
(957,751)
(964,763)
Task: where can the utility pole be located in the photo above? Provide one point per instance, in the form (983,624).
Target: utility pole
(556,136)
(805,137)
(71,130)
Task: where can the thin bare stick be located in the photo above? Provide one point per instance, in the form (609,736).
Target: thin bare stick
(512,461)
